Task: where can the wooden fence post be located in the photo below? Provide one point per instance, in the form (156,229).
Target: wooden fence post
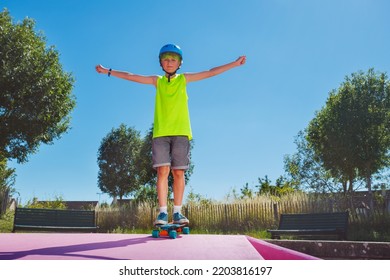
(276,212)
(186,211)
(226,215)
(152,210)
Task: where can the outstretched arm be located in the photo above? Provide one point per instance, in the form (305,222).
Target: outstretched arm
(150,80)
(192,77)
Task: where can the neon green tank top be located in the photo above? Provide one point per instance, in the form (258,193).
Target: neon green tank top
(171,114)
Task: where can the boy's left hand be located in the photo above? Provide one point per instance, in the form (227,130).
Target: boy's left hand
(241,60)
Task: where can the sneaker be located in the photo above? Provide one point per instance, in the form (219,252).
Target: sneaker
(162,219)
(178,218)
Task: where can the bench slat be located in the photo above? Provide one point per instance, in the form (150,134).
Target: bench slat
(312,224)
(54,219)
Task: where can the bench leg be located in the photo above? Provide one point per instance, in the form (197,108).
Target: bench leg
(275,236)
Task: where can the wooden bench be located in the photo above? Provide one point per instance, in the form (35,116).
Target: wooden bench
(31,219)
(315,224)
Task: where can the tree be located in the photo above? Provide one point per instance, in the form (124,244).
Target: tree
(117,160)
(305,170)
(57,203)
(7,179)
(281,187)
(35,99)
(246,192)
(147,174)
(7,176)
(351,134)
(197,199)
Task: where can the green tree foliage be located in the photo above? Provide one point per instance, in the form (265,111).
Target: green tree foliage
(197,199)
(351,134)
(247,192)
(57,203)
(265,186)
(280,188)
(145,169)
(305,170)
(117,160)
(35,92)
(7,180)
(147,191)
(7,176)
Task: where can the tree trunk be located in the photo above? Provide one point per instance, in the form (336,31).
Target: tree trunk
(370,196)
(344,187)
(350,187)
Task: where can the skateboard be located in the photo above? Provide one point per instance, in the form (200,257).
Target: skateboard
(171,230)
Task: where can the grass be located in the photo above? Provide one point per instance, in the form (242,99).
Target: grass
(6,222)
(370,232)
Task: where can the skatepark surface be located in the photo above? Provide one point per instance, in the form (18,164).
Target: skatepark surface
(99,246)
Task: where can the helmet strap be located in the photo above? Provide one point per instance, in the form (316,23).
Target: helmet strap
(171,74)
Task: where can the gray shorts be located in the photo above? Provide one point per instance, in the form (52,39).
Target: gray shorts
(171,151)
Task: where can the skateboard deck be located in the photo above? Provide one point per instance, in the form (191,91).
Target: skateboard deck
(170,230)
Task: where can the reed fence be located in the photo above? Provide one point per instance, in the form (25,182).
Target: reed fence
(242,216)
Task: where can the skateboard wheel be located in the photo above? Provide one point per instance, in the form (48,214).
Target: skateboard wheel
(173,234)
(155,233)
(186,230)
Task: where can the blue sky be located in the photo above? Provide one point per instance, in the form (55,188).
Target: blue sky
(244,121)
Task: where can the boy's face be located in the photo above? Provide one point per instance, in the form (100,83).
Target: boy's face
(170,62)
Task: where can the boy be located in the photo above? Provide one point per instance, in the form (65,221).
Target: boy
(172,128)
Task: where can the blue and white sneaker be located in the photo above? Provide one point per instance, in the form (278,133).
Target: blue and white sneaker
(178,218)
(162,219)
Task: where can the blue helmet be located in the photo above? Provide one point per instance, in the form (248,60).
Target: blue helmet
(171,48)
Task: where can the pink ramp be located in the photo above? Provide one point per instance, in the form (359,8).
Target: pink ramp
(59,246)
(273,252)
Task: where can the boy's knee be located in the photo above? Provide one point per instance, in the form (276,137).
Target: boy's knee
(177,173)
(163,171)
